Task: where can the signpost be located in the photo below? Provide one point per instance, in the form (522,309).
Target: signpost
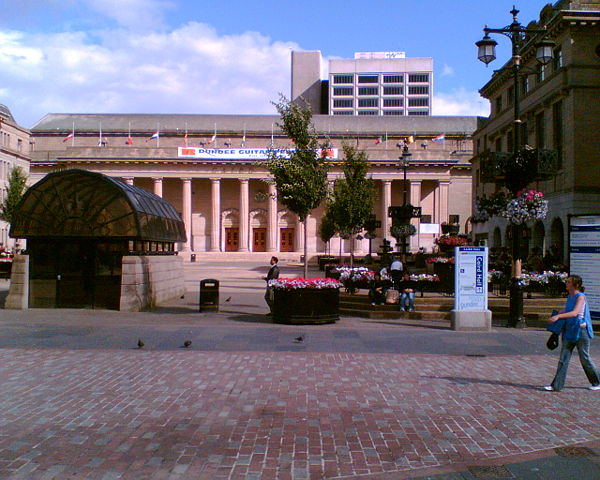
(471,290)
(584,257)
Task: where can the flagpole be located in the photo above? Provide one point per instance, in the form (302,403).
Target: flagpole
(73,135)
(157,134)
(129,134)
(215,134)
(272,142)
(243,145)
(100,136)
(185,143)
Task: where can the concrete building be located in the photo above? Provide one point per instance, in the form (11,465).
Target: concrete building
(206,166)
(372,83)
(14,152)
(560,111)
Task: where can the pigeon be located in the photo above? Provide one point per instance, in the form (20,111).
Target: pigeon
(187,343)
(299,339)
(228,299)
(140,343)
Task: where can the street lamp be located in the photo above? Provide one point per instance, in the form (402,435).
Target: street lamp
(403,164)
(487,53)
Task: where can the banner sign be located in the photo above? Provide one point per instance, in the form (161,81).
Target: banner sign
(584,257)
(240,153)
(470,275)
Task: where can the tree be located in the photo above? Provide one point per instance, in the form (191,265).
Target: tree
(17,181)
(299,174)
(351,203)
(327,229)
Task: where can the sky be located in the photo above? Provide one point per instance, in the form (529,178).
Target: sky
(228,56)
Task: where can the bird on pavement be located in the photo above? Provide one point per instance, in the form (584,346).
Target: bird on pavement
(140,344)
(187,343)
(228,299)
(299,339)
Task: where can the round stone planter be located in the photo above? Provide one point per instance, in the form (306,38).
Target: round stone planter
(306,306)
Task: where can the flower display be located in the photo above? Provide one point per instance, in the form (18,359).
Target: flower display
(297,283)
(495,204)
(405,230)
(451,240)
(543,278)
(440,260)
(495,276)
(424,277)
(528,205)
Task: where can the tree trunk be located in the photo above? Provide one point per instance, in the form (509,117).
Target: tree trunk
(306,248)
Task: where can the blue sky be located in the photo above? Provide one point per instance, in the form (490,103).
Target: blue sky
(227,56)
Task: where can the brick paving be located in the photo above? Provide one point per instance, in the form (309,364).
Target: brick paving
(140,414)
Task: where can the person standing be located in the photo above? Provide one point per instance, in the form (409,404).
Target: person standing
(575,324)
(396,272)
(272,274)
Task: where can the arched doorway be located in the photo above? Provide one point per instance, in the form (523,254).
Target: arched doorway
(231,230)
(538,236)
(557,239)
(287,231)
(258,227)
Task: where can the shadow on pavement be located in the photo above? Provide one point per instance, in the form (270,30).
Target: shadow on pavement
(249,318)
(467,380)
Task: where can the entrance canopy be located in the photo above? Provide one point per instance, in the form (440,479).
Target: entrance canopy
(79,203)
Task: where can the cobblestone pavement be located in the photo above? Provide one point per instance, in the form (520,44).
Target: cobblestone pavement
(128,414)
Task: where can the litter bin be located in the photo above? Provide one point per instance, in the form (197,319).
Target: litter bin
(193,257)
(209,295)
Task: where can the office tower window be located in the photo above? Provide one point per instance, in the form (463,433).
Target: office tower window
(418,112)
(424,90)
(342,91)
(392,90)
(418,78)
(393,79)
(368,91)
(337,79)
(368,79)
(393,112)
(343,112)
(343,103)
(368,102)
(393,102)
(367,112)
(418,102)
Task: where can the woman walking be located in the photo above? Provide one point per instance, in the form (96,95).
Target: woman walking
(575,324)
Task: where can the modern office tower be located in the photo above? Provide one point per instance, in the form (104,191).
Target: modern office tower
(372,83)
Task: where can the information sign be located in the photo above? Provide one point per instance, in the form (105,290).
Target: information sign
(471,266)
(584,257)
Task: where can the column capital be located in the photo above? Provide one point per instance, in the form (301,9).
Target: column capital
(215,179)
(157,179)
(244,180)
(186,179)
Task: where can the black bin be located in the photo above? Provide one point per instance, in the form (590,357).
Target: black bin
(193,257)
(209,295)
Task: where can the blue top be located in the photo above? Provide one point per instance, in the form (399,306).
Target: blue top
(570,326)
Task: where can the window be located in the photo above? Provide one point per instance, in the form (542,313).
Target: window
(418,102)
(368,91)
(337,79)
(541,73)
(557,130)
(499,144)
(525,84)
(368,102)
(19,145)
(367,112)
(557,59)
(498,103)
(524,134)
(418,112)
(368,79)
(418,78)
(392,90)
(393,78)
(540,133)
(393,112)
(453,218)
(345,103)
(509,141)
(343,112)
(393,102)
(418,90)
(425,218)
(341,91)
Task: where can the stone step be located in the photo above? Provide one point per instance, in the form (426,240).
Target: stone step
(379,311)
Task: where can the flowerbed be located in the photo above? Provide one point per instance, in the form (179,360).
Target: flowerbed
(305,300)
(316,283)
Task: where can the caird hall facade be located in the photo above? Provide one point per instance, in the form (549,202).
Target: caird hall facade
(206,166)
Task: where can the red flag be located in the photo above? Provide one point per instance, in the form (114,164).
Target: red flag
(377,140)
(129,141)
(185,140)
(69,136)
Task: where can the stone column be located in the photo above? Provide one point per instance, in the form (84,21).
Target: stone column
(158,186)
(272,219)
(128,180)
(415,200)
(215,225)
(243,215)
(299,241)
(386,201)
(442,201)
(187,211)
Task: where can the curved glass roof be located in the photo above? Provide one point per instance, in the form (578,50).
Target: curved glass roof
(79,203)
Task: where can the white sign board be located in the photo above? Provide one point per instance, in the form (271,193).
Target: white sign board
(429,228)
(470,275)
(584,255)
(239,153)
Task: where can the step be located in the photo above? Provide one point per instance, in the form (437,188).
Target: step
(379,312)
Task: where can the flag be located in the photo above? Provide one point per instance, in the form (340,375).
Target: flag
(377,140)
(410,139)
(212,139)
(154,135)
(70,135)
(129,141)
(439,138)
(185,140)
(243,144)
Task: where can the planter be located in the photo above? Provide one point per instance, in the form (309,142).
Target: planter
(304,306)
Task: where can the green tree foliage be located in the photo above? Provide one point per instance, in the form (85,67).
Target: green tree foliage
(351,203)
(300,174)
(17,182)
(327,228)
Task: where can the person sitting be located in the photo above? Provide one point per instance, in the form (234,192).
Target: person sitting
(406,287)
(377,289)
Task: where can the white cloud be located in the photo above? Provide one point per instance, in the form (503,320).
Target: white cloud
(190,69)
(447,71)
(460,102)
(134,14)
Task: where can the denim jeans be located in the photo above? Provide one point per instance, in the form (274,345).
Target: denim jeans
(583,349)
(407,298)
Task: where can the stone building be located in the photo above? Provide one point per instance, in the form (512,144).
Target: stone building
(14,152)
(559,111)
(205,165)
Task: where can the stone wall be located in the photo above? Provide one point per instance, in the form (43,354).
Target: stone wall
(18,292)
(147,281)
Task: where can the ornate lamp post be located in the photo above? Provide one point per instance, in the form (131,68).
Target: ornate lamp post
(517,170)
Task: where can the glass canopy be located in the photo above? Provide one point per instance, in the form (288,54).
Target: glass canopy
(79,203)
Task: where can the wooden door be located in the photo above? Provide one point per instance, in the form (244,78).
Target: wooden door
(286,243)
(259,239)
(232,239)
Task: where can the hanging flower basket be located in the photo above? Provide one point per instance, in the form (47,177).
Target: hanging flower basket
(528,205)
(404,230)
(306,300)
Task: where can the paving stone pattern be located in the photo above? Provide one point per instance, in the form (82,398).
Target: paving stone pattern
(137,414)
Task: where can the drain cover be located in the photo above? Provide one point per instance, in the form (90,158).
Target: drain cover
(491,471)
(575,452)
